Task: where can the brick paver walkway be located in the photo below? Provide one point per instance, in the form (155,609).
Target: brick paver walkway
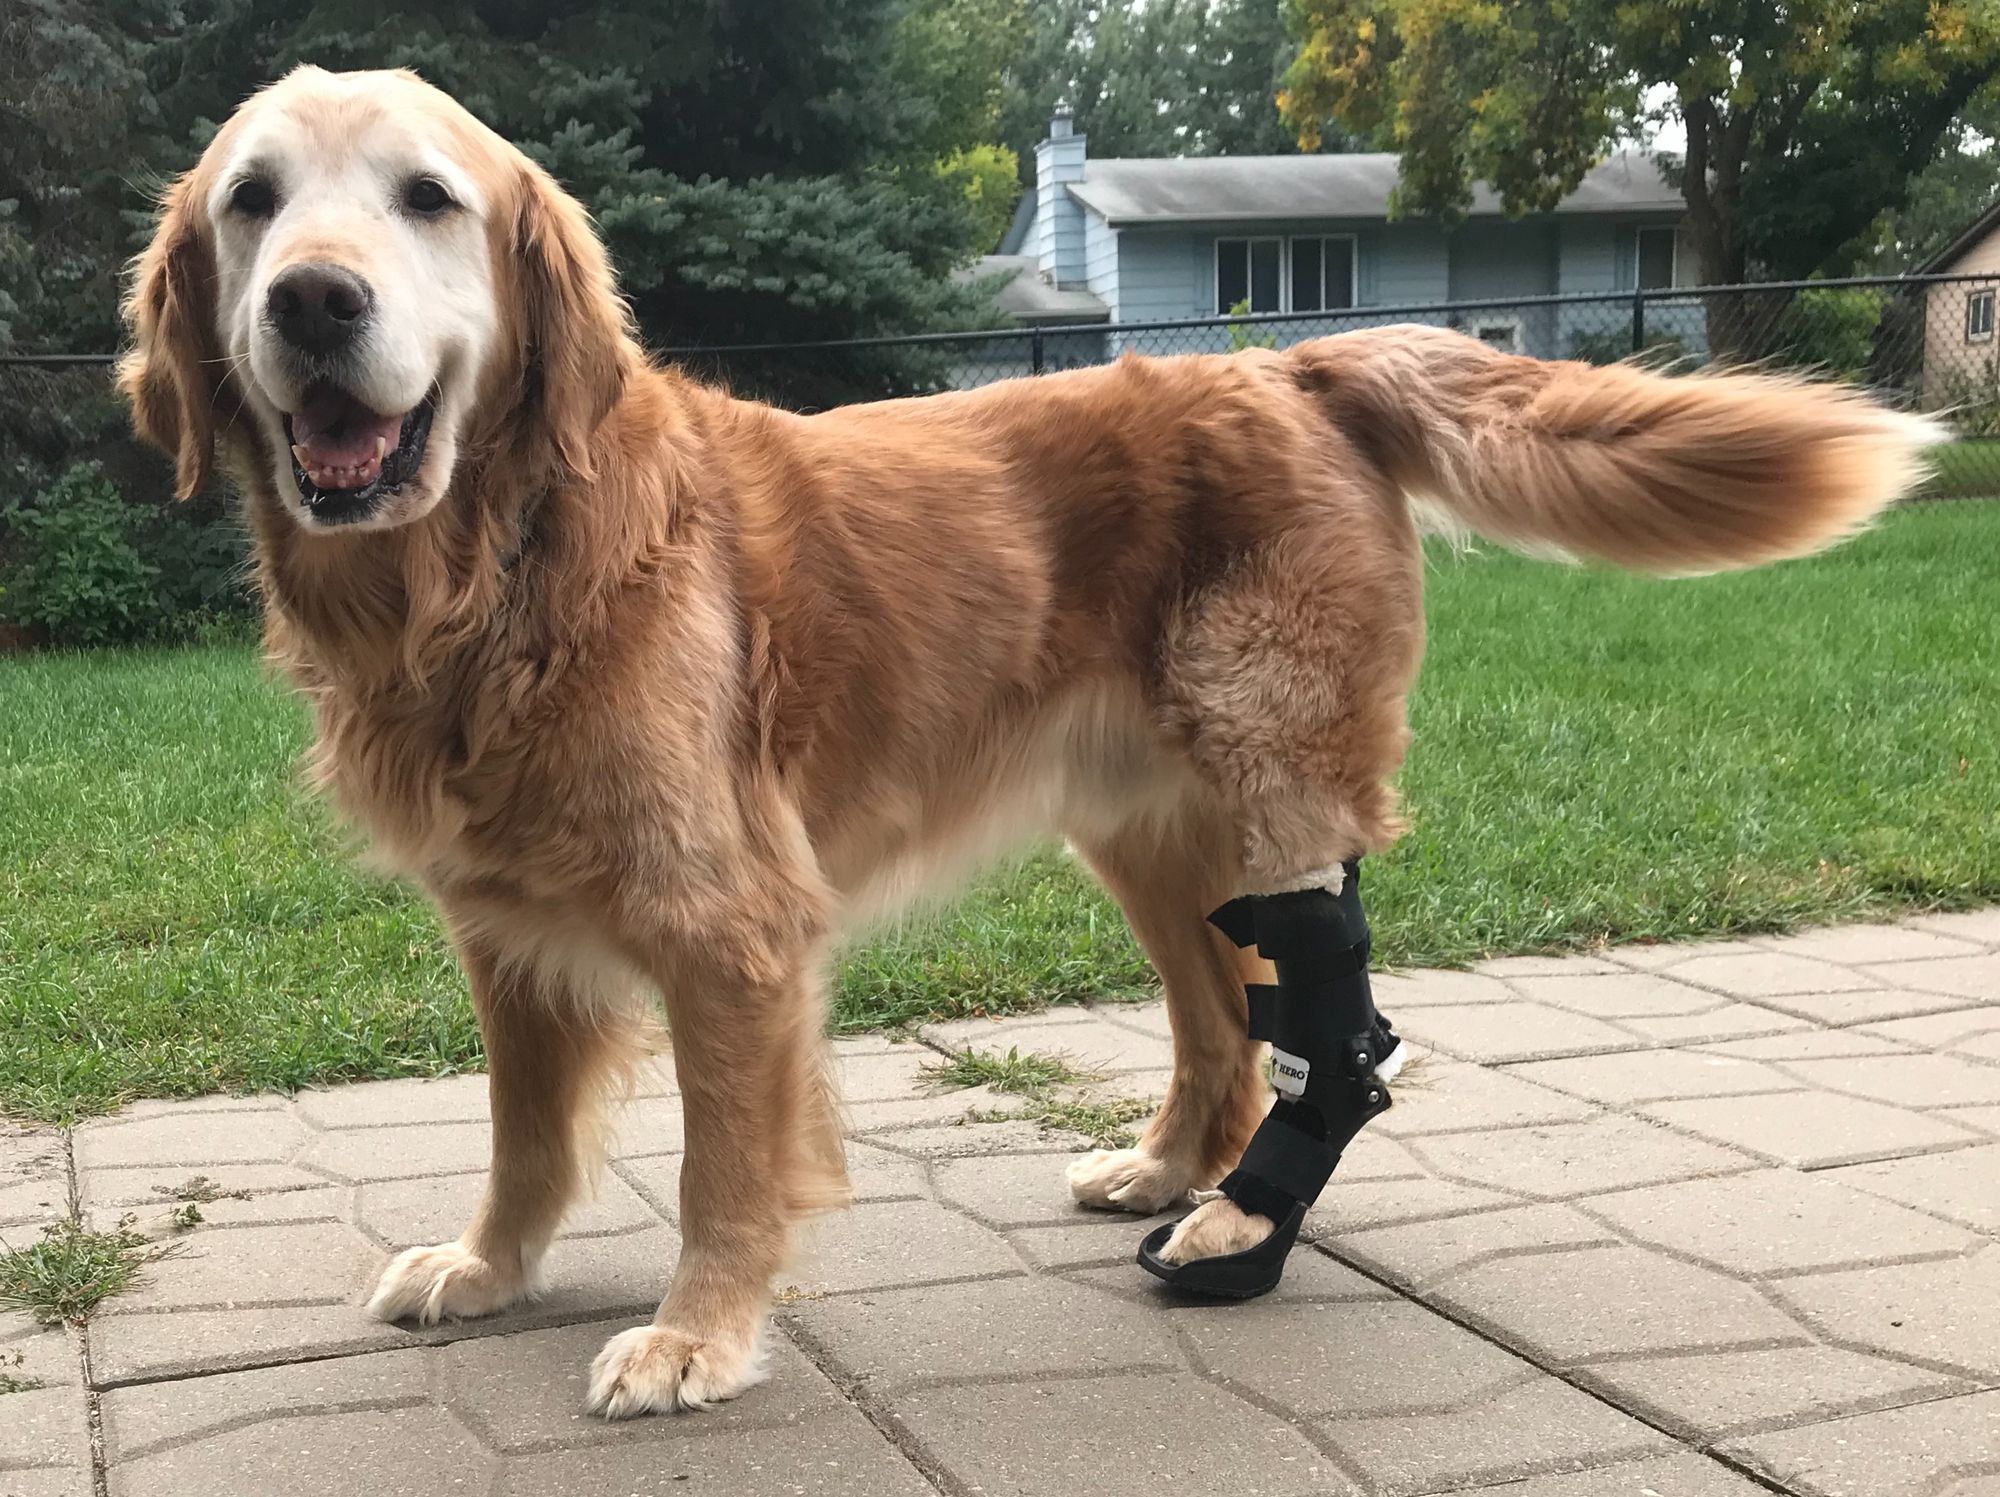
(1691,1221)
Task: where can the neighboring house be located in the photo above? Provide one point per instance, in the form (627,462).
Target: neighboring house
(1186,237)
(1959,348)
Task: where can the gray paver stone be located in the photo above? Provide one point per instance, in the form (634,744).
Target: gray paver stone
(1944,1313)
(1114,1437)
(190,1139)
(450,1099)
(1572,1159)
(1352,1360)
(1623,995)
(1907,1452)
(1962,976)
(1812,1130)
(1655,1075)
(1541,1426)
(1749,973)
(1776,1222)
(1016,1328)
(1717,1394)
(836,1455)
(1575,1306)
(1963,1185)
(1518,1030)
(1448,1096)
(882,1244)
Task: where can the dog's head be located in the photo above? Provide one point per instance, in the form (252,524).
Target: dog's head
(357,284)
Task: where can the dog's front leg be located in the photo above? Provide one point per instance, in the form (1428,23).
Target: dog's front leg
(763,1147)
(550,1054)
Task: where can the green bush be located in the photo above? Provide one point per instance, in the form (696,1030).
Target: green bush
(74,574)
(1830,331)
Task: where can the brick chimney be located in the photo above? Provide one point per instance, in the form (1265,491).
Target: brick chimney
(1058,238)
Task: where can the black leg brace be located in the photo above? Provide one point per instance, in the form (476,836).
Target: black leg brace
(1326,1042)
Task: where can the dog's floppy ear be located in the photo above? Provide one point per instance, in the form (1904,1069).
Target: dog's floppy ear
(578,331)
(172,374)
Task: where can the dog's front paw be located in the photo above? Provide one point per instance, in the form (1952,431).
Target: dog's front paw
(1126,1180)
(427,1284)
(658,1369)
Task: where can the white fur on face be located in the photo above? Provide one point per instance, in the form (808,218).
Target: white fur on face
(339,179)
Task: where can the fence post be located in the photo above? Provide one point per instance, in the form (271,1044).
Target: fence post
(1638,320)
(1035,352)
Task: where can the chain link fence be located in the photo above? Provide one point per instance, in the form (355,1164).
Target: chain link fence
(1923,343)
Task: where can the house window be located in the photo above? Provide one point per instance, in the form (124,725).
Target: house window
(1503,333)
(1322,278)
(1251,270)
(1979,317)
(1658,254)
(1303,274)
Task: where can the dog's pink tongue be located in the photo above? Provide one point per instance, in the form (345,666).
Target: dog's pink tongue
(339,441)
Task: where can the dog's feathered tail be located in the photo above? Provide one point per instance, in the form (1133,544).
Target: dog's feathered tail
(1661,474)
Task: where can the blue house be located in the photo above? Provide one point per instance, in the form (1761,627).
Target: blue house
(1135,241)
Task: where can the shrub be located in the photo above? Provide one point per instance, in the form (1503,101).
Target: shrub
(74,574)
(1830,331)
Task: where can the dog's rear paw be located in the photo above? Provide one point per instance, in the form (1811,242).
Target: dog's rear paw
(657,1369)
(1213,1229)
(1126,1180)
(427,1284)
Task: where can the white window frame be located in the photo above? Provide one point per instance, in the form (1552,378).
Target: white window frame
(1479,326)
(1285,243)
(1639,233)
(1973,301)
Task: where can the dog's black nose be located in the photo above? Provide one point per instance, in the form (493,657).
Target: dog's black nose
(317,307)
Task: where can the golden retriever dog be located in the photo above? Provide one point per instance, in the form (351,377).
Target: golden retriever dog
(656,690)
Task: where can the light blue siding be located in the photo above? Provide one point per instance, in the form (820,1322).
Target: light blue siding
(1158,276)
(1100,262)
(1588,262)
(1499,261)
(1405,264)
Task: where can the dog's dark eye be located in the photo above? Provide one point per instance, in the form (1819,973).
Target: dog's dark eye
(253,197)
(426,195)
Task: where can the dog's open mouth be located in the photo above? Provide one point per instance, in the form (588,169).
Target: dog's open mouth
(346,457)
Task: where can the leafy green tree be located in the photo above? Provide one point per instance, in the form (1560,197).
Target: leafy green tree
(1804,118)
(1962,181)
(757,177)
(1167,78)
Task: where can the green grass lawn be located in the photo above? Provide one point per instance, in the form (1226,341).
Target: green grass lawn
(1597,758)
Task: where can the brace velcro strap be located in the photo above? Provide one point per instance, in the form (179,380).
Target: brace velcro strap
(1255,1196)
(1263,1000)
(1286,1153)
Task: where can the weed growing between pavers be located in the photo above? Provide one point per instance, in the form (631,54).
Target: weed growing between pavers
(1014,1073)
(1106,1124)
(13,1382)
(199,1189)
(72,1270)
(1040,1081)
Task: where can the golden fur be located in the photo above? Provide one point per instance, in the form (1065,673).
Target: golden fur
(649,687)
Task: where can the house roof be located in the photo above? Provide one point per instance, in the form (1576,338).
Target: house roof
(1973,233)
(1026,297)
(1194,189)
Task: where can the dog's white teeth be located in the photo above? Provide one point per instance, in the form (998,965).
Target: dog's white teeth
(299,457)
(381,446)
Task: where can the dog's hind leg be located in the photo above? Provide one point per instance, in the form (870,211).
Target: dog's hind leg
(1286,683)
(1166,877)
(553,1055)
